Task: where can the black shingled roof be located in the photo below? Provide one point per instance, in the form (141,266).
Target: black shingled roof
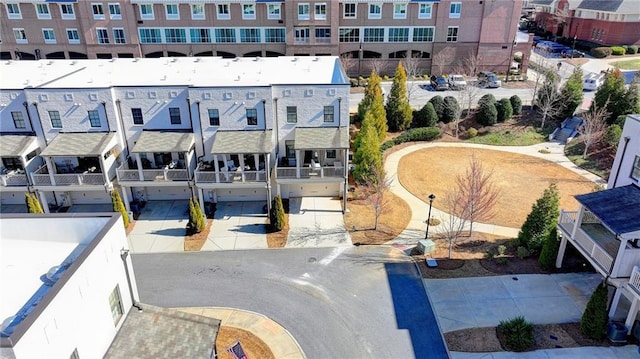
(601,5)
(618,208)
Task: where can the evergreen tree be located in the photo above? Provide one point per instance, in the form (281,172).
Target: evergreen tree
(571,94)
(541,220)
(196,217)
(487,114)
(547,259)
(487,98)
(398,108)
(28,200)
(277,216)
(612,93)
(36,204)
(516,104)
(118,206)
(438,105)
(367,157)
(595,317)
(505,111)
(451,111)
(373,102)
(426,116)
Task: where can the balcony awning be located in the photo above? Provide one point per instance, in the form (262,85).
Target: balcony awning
(14,145)
(618,208)
(158,141)
(321,138)
(80,144)
(242,142)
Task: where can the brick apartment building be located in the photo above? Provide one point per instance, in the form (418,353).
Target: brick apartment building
(373,34)
(614,22)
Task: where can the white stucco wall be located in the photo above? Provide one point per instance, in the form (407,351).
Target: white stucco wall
(622,166)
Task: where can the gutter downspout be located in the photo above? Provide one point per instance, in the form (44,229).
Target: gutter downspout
(126,143)
(26,108)
(275,126)
(624,150)
(35,104)
(104,107)
(124,253)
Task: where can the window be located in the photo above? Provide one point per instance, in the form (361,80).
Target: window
(374,35)
(103,36)
(115,302)
(399,11)
(214,117)
(146,11)
(635,171)
(118,36)
(375,11)
(94,118)
(175,35)
(323,35)
(225,35)
(197,11)
(66,10)
(320,11)
(249,35)
(274,35)
(98,11)
(328,114)
(49,36)
(18,119)
(289,149)
(172,12)
(150,36)
(20,35)
(252,117)
(42,11)
(301,35)
(292,114)
(452,34)
(200,36)
(54,116)
(174,115)
(73,36)
(455,9)
(13,11)
(114,12)
(136,113)
(424,11)
(350,11)
(224,12)
(303,11)
(331,153)
(423,34)
(273,11)
(349,34)
(398,34)
(248,11)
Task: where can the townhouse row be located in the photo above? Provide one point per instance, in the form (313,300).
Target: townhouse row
(172,128)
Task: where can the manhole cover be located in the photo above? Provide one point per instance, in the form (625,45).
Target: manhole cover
(312,259)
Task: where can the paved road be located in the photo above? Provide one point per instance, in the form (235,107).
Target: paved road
(349,302)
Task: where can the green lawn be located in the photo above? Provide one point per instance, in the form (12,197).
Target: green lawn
(509,138)
(627,65)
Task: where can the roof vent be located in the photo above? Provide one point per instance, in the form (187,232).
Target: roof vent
(238,78)
(295,59)
(53,275)
(6,324)
(236,59)
(316,59)
(197,59)
(174,59)
(136,59)
(49,62)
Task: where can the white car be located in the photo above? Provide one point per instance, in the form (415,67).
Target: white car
(457,82)
(592,81)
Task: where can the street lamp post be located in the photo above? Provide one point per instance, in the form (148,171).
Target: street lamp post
(573,47)
(431,198)
(513,45)
(359,63)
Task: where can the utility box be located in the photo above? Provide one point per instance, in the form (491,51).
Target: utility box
(426,246)
(617,332)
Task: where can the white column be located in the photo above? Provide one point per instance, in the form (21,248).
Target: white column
(103,168)
(50,169)
(256,165)
(614,302)
(617,261)
(216,167)
(578,221)
(633,311)
(139,162)
(242,166)
(201,199)
(125,198)
(297,163)
(43,201)
(561,250)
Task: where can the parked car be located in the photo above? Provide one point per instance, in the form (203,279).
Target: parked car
(592,81)
(572,53)
(457,82)
(488,79)
(439,83)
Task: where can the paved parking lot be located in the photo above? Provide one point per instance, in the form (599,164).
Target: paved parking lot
(161,227)
(238,225)
(316,222)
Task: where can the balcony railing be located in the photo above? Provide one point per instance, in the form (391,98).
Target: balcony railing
(41,177)
(230,176)
(307,172)
(634,280)
(14,178)
(162,174)
(585,241)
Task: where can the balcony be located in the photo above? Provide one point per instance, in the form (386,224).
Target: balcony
(168,173)
(238,176)
(311,171)
(14,178)
(634,281)
(88,177)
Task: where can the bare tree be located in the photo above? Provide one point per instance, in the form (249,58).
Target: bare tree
(348,62)
(376,187)
(467,97)
(479,192)
(548,101)
(413,70)
(470,66)
(378,65)
(593,126)
(442,58)
(453,220)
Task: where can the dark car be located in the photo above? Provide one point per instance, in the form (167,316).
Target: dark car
(439,83)
(572,53)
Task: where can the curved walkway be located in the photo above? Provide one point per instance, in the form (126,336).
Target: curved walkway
(277,338)
(419,209)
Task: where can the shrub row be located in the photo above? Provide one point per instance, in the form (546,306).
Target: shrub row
(414,134)
(600,52)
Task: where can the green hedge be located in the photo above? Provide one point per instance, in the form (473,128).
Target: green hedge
(633,49)
(618,50)
(414,134)
(601,52)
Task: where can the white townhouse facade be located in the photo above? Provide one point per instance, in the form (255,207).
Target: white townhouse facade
(171,128)
(66,294)
(606,227)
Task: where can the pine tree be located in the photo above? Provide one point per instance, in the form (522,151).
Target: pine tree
(547,259)
(398,108)
(118,206)
(571,94)
(426,116)
(451,111)
(373,102)
(36,204)
(516,104)
(438,105)
(541,220)
(594,319)
(367,156)
(505,111)
(612,93)
(199,216)
(277,216)
(487,114)
(28,200)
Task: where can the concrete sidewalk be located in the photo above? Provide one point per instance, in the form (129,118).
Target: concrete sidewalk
(624,352)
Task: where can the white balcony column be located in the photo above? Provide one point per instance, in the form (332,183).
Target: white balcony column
(578,222)
(297,163)
(561,250)
(633,311)
(278,190)
(43,201)
(125,198)
(139,163)
(214,195)
(267,168)
(103,168)
(615,301)
(50,169)
(216,168)
(345,165)
(201,199)
(256,164)
(242,166)
(617,261)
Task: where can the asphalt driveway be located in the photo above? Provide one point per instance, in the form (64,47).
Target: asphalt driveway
(161,227)
(316,222)
(237,225)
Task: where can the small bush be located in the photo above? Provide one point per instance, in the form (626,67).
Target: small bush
(595,317)
(489,255)
(488,98)
(516,104)
(505,111)
(487,114)
(601,52)
(277,216)
(547,259)
(617,50)
(518,334)
(523,252)
(502,261)
(414,134)
(501,249)
(472,132)
(633,49)
(385,77)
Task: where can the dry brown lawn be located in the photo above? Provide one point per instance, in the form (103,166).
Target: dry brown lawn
(253,346)
(359,220)
(196,241)
(521,178)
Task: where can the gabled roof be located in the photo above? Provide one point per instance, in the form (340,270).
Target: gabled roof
(80,144)
(242,142)
(618,208)
(14,145)
(321,138)
(159,141)
(619,6)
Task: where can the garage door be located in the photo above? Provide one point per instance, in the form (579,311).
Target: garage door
(12,197)
(167,193)
(313,190)
(242,195)
(90,197)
